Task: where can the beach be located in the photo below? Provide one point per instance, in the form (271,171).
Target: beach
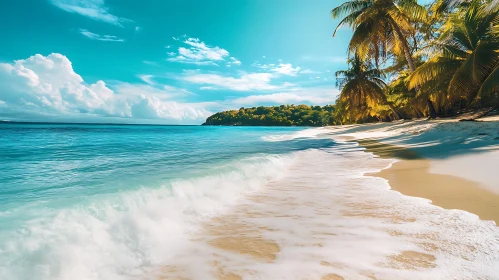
(375,201)
(377,206)
(222,140)
(451,178)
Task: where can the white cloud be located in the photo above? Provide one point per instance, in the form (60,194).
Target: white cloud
(320,96)
(148,62)
(94,9)
(245,82)
(138,29)
(42,87)
(48,86)
(233,61)
(286,69)
(147,79)
(94,36)
(309,71)
(262,66)
(281,68)
(197,52)
(151,88)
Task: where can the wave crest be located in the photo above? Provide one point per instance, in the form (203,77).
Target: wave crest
(119,235)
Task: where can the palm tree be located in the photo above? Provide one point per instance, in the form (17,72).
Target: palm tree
(445,6)
(362,87)
(382,27)
(465,58)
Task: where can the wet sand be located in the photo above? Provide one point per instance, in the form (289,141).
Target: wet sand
(315,224)
(411,176)
(322,221)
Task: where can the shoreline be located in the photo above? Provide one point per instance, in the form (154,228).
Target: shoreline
(340,213)
(411,176)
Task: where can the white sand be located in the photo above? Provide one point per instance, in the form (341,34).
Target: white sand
(469,150)
(482,168)
(325,219)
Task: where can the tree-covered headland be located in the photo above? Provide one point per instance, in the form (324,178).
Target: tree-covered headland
(407,61)
(284,115)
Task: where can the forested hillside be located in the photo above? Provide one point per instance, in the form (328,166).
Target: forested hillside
(284,115)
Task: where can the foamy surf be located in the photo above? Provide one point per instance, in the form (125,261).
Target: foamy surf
(120,236)
(307,133)
(311,214)
(325,219)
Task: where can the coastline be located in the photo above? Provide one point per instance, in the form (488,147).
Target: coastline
(410,175)
(340,213)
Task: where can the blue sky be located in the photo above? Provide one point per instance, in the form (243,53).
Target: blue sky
(156,61)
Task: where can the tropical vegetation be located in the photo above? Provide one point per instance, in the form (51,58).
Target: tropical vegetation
(405,61)
(284,115)
(408,60)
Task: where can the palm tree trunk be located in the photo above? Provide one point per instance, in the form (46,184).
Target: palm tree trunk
(416,110)
(410,62)
(405,46)
(394,110)
(431,108)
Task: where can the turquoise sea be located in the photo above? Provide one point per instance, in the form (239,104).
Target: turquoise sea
(132,202)
(94,200)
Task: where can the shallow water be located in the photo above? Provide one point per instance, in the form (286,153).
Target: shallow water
(104,201)
(324,219)
(128,202)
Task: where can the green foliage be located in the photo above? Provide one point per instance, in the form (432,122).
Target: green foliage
(437,59)
(407,61)
(363,89)
(464,61)
(284,115)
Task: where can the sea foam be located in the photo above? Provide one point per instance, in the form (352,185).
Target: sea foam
(118,236)
(328,217)
(306,133)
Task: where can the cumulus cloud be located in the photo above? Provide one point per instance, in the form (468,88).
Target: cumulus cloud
(95,36)
(94,9)
(281,68)
(197,52)
(286,69)
(48,86)
(245,82)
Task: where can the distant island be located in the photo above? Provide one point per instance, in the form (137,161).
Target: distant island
(284,115)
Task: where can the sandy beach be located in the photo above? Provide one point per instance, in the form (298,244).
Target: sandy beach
(370,208)
(411,176)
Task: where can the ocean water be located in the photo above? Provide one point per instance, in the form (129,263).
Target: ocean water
(100,201)
(111,202)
